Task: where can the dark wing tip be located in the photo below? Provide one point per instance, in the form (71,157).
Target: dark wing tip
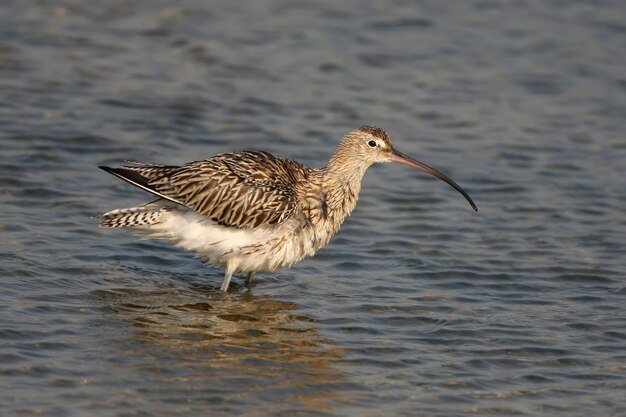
(137,180)
(129,176)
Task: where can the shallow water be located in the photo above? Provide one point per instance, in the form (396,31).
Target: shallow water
(418,307)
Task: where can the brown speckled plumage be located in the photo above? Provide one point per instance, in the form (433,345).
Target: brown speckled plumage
(249,211)
(241,189)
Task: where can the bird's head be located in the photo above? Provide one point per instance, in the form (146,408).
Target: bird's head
(367,145)
(370,144)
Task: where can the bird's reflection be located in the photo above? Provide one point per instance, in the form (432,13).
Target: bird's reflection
(250,346)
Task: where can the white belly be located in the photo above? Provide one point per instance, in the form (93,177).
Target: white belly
(265,248)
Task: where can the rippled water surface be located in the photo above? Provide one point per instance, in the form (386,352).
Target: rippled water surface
(418,307)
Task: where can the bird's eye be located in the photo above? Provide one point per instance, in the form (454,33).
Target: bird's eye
(372,143)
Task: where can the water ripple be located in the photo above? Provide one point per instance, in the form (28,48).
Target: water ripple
(418,307)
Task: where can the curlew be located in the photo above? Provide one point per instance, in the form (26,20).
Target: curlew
(251,211)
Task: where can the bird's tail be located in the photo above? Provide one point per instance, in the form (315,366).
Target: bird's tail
(149,214)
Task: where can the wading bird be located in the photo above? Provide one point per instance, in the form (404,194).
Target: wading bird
(252,211)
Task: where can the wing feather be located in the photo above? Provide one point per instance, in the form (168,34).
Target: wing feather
(241,189)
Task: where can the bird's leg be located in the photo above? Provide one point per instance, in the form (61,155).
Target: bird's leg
(249,279)
(227,276)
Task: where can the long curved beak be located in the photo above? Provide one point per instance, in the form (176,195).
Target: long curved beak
(402,158)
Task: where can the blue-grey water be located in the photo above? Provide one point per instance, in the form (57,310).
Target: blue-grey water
(419,307)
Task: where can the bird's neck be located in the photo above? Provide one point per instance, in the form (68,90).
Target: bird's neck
(341,183)
(329,196)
